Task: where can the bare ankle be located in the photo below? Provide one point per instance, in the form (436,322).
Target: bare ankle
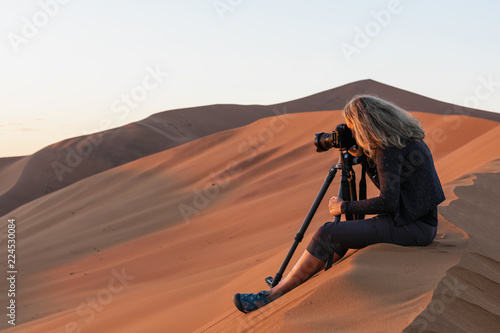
(274,294)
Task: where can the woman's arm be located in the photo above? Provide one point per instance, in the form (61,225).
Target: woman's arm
(389,164)
(371,171)
(371,168)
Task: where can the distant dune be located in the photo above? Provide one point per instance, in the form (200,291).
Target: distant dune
(167,218)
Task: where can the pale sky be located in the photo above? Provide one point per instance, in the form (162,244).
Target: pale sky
(70,65)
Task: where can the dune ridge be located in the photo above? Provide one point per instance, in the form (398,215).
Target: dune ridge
(467,299)
(10,170)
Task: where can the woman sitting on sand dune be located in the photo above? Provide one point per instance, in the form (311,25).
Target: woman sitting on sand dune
(410,192)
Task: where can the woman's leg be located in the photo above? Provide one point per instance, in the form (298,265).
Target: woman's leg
(335,238)
(327,241)
(307,266)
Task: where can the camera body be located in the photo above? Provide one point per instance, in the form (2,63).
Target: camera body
(341,138)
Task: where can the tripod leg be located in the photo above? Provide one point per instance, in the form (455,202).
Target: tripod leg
(333,259)
(329,263)
(347,192)
(345,189)
(300,235)
(362,189)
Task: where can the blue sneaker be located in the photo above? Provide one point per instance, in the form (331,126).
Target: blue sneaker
(248,302)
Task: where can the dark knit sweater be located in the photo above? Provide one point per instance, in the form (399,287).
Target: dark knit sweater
(409,185)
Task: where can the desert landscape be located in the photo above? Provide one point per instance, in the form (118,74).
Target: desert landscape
(153,226)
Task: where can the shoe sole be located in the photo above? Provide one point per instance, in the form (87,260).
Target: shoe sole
(237,302)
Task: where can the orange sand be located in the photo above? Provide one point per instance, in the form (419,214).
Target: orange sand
(114,252)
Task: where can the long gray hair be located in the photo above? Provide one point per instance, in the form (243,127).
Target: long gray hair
(381,124)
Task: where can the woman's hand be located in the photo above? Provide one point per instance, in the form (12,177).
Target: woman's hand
(356,152)
(334,205)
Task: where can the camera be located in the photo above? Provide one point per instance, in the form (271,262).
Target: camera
(341,138)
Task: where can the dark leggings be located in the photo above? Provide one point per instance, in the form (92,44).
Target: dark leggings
(338,237)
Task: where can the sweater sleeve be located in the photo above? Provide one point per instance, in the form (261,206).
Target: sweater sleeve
(389,164)
(371,171)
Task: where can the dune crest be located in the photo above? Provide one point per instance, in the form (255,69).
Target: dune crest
(467,299)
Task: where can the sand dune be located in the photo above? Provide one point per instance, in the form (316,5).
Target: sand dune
(69,161)
(162,242)
(10,170)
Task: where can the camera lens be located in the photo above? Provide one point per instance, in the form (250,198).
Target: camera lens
(341,138)
(324,141)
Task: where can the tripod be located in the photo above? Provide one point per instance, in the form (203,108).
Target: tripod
(347,192)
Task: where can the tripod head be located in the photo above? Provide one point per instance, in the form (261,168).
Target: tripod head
(347,159)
